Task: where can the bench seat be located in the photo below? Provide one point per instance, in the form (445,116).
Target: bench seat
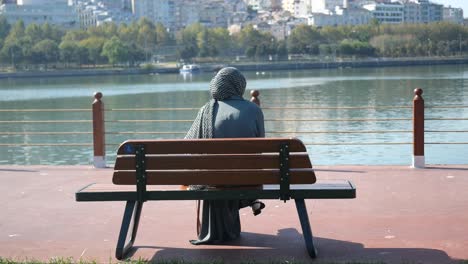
(330,189)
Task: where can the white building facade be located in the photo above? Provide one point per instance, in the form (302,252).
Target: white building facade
(421,11)
(341,17)
(324,6)
(54,12)
(158,11)
(387,13)
(94,13)
(454,15)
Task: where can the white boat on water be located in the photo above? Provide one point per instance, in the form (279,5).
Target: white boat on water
(190,68)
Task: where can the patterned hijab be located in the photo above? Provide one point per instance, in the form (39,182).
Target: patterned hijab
(228,82)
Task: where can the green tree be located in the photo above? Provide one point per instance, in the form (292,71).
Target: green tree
(221,40)
(356,47)
(34,32)
(162,36)
(109,29)
(82,54)
(187,41)
(11,52)
(128,33)
(282,50)
(333,34)
(93,46)
(27,49)
(135,54)
(15,33)
(51,32)
(395,45)
(45,51)
(304,39)
(255,43)
(115,51)
(206,44)
(69,52)
(146,38)
(75,35)
(4,29)
(106,30)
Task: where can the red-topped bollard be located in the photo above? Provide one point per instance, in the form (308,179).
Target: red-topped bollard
(418,129)
(99,132)
(254,99)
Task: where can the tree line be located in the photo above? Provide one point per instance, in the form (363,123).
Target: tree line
(142,40)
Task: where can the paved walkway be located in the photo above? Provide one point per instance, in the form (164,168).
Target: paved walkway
(401,215)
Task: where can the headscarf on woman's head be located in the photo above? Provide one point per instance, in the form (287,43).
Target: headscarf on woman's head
(228,82)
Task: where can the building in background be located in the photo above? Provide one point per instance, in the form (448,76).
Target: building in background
(421,11)
(186,13)
(264,5)
(93,13)
(213,14)
(54,12)
(341,16)
(158,11)
(178,14)
(430,12)
(387,13)
(454,15)
(324,6)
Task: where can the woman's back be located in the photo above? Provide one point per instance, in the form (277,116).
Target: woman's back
(236,117)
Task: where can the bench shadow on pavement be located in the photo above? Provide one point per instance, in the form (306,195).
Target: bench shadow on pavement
(288,245)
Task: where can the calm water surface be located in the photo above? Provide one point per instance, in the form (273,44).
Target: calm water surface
(443,86)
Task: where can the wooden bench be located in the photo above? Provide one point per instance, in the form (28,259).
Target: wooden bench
(281,165)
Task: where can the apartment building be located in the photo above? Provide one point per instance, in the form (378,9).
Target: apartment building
(294,7)
(454,15)
(341,16)
(324,6)
(91,14)
(186,13)
(430,12)
(265,5)
(54,12)
(158,11)
(387,13)
(421,11)
(213,14)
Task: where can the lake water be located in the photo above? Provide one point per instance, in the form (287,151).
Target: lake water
(317,92)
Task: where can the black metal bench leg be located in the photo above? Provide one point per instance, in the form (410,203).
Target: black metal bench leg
(131,219)
(306,229)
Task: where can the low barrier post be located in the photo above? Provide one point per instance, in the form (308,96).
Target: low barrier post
(99,132)
(254,99)
(418,129)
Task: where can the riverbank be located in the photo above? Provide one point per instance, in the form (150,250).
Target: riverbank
(250,66)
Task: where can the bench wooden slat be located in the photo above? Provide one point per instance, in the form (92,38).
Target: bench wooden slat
(327,189)
(214,146)
(216,161)
(216,177)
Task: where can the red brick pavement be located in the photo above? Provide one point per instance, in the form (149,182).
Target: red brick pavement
(400,215)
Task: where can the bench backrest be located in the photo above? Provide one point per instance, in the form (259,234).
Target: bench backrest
(240,161)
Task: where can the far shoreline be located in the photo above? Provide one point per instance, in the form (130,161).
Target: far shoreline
(251,66)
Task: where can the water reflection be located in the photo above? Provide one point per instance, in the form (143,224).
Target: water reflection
(312,89)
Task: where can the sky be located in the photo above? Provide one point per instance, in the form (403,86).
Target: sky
(455,3)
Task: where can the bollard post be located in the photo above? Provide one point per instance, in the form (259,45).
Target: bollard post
(254,99)
(418,129)
(99,132)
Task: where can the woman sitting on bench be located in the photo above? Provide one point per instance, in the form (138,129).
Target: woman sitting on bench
(226,115)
